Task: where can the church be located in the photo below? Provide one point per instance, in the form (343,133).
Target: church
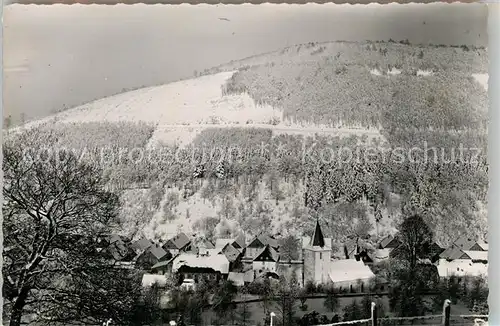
(319,268)
(317,257)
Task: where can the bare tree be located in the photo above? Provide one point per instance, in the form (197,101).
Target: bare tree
(55,207)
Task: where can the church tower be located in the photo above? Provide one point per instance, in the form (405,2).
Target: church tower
(317,258)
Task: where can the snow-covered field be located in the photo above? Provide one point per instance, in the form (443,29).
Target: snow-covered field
(180,110)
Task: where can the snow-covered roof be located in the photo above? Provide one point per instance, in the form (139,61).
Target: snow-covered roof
(453,253)
(477,255)
(349,270)
(141,244)
(213,252)
(231,252)
(263,240)
(177,242)
(382,253)
(464,242)
(206,244)
(162,264)
(157,251)
(216,262)
(388,242)
(149,279)
(483,245)
(221,243)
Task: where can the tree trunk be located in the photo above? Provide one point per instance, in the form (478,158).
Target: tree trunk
(18,307)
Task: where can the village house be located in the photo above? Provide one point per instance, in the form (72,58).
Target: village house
(352,250)
(115,248)
(178,243)
(151,256)
(461,263)
(233,255)
(140,245)
(465,243)
(384,247)
(266,261)
(213,266)
(163,267)
(238,243)
(204,245)
(464,257)
(241,278)
(435,250)
(256,246)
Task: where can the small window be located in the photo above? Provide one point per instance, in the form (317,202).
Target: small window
(320,255)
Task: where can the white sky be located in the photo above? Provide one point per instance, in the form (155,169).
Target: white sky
(64,55)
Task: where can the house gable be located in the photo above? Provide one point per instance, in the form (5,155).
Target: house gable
(256,243)
(476,247)
(394,243)
(141,245)
(267,255)
(464,256)
(230,252)
(239,242)
(385,241)
(169,245)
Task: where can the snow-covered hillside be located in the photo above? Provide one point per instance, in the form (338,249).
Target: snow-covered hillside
(309,90)
(182,109)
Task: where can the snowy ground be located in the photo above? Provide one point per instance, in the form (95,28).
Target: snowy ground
(182,109)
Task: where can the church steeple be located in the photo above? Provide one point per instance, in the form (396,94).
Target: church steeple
(318,240)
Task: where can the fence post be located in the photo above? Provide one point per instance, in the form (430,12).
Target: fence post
(374,314)
(446,312)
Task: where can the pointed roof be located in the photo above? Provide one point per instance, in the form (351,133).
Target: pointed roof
(464,242)
(231,252)
(178,242)
(240,242)
(267,253)
(157,251)
(263,240)
(221,243)
(141,244)
(317,239)
(388,242)
(206,244)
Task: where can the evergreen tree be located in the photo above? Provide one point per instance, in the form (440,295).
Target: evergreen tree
(331,301)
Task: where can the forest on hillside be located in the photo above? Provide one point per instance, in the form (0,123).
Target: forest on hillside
(290,170)
(421,96)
